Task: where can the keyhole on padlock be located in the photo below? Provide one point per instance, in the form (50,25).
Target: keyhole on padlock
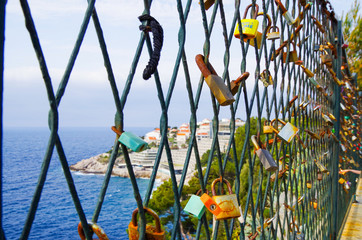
(212,207)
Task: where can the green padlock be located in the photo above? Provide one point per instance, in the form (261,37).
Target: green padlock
(130,140)
(195,206)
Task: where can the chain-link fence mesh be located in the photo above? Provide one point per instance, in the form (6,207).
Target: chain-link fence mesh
(298,76)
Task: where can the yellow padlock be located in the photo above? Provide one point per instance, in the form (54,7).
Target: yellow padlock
(228,203)
(259,35)
(273,35)
(249,26)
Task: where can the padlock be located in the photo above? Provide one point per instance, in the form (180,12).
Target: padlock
(341,180)
(332,117)
(266,223)
(318,24)
(346,185)
(195,206)
(234,85)
(208,3)
(259,35)
(293,55)
(309,184)
(307,71)
(215,83)
(130,140)
(228,203)
(266,78)
(321,167)
(280,174)
(319,176)
(299,236)
(326,59)
(95,229)
(210,204)
(312,134)
(314,203)
(152,232)
(290,104)
(249,26)
(273,35)
(327,119)
(303,2)
(268,128)
(285,13)
(316,108)
(264,156)
(288,132)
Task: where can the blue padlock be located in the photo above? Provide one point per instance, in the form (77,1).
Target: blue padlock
(130,140)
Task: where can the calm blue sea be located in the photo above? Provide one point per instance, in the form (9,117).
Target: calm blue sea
(56,218)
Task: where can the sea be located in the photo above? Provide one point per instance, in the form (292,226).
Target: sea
(56,218)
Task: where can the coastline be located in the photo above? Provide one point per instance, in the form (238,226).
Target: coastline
(95,165)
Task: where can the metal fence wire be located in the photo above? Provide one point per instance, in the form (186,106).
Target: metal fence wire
(300,80)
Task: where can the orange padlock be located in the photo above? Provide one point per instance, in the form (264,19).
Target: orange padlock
(152,232)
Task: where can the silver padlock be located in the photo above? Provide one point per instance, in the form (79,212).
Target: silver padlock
(264,156)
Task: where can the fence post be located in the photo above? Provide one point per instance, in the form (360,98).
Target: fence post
(335,153)
(2,40)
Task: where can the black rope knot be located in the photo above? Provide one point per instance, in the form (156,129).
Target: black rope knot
(157,32)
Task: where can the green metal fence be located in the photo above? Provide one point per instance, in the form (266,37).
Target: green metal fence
(297,203)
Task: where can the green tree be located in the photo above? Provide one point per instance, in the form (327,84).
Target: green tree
(352,32)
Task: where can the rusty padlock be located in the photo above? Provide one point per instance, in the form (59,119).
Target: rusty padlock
(321,167)
(293,55)
(152,232)
(234,85)
(327,59)
(208,3)
(215,83)
(288,17)
(264,156)
(273,35)
(228,203)
(309,184)
(249,26)
(95,229)
(319,176)
(318,24)
(259,35)
(266,78)
(307,71)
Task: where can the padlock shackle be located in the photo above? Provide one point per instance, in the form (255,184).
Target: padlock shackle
(119,132)
(279,120)
(281,6)
(200,191)
(219,180)
(205,70)
(255,143)
(242,77)
(255,13)
(274,28)
(152,213)
(269,20)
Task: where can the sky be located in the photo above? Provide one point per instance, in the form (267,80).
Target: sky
(88,100)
